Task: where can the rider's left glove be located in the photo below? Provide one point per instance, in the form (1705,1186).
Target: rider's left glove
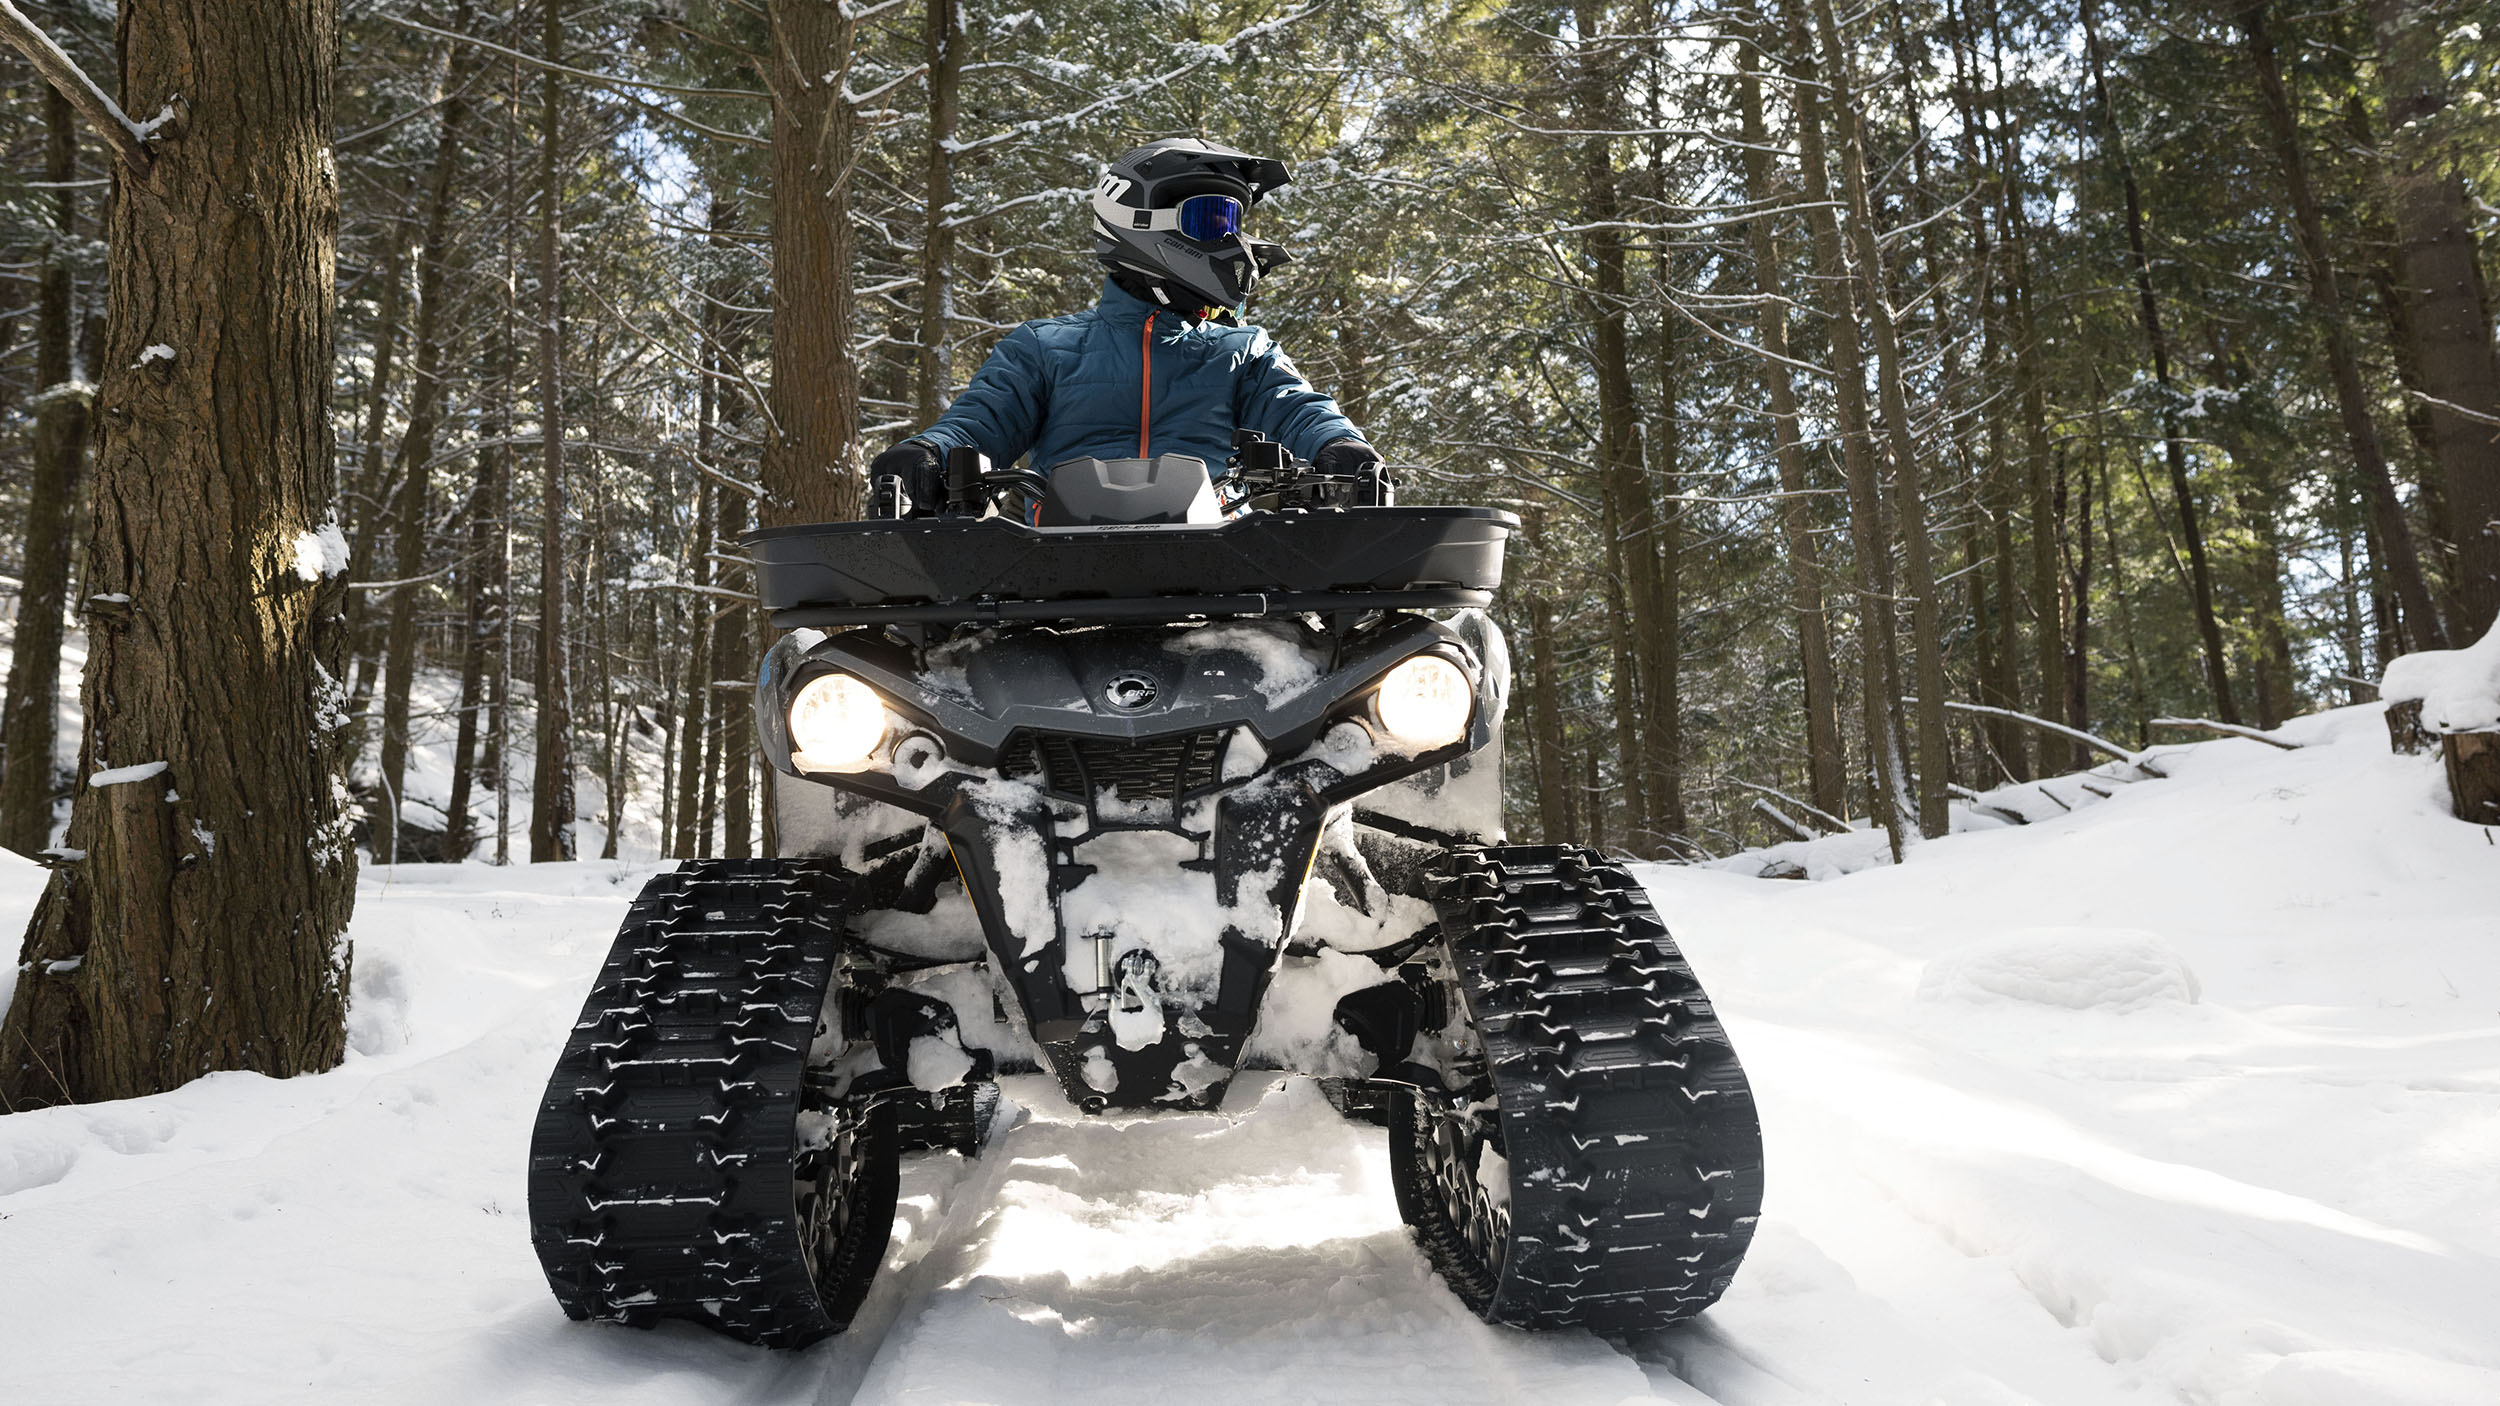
(923,472)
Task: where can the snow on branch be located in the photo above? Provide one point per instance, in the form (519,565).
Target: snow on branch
(128,139)
(2230,729)
(1199,57)
(2061,729)
(604,80)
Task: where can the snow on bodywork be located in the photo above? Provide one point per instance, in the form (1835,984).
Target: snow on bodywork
(1164,837)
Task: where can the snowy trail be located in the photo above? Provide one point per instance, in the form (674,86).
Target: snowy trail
(2010,1161)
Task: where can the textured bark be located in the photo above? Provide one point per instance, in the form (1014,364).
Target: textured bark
(2447,306)
(416,445)
(934,365)
(1827,767)
(1935,758)
(2174,446)
(551,783)
(204,928)
(2343,358)
(1837,292)
(813,468)
(28,724)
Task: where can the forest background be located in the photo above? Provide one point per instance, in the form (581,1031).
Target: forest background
(1863,374)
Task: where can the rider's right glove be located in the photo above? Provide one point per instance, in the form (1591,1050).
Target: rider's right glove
(923,472)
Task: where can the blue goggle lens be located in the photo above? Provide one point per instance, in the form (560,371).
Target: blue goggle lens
(1210,217)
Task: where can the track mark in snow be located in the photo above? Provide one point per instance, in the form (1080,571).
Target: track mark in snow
(1253,1255)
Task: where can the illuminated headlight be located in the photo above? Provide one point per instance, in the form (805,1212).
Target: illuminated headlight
(836,721)
(1425,702)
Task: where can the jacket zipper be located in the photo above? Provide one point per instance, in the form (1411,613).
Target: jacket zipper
(1145,380)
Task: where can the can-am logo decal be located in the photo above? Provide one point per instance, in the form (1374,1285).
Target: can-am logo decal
(1130,692)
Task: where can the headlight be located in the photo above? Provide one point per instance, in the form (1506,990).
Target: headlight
(836,721)
(1425,702)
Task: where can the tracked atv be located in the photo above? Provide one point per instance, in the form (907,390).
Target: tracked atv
(1119,780)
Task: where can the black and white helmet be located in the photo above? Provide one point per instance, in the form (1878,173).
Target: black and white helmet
(1171,213)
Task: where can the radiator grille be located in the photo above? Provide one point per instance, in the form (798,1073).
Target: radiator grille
(1162,769)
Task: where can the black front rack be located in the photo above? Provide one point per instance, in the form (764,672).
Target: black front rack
(1129,610)
(957,571)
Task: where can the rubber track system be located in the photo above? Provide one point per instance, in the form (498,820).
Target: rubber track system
(667,1173)
(1634,1158)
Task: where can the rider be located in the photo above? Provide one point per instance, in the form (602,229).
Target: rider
(1162,364)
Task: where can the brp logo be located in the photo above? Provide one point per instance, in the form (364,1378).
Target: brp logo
(1130,693)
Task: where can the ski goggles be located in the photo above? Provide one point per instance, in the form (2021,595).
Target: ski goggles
(1200,217)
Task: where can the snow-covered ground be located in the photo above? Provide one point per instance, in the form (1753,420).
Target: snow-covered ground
(2191,1095)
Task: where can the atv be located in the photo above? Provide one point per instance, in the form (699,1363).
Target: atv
(1140,778)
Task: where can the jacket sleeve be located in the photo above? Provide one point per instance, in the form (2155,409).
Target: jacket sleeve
(1000,413)
(1271,397)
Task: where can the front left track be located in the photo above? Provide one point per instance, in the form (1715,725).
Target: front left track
(682,1164)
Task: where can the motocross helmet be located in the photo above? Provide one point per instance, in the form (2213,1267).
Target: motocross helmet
(1170,214)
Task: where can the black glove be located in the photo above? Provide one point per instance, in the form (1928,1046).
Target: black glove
(1353,459)
(922,470)
(1341,458)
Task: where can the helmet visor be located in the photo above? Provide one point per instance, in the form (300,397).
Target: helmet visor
(1210,217)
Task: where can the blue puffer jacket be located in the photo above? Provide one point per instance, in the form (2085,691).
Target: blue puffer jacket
(1128,379)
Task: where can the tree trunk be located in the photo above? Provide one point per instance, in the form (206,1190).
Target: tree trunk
(813,469)
(934,366)
(735,711)
(2352,399)
(2448,307)
(480,635)
(416,446)
(2141,693)
(1935,757)
(689,840)
(551,786)
(2079,591)
(1827,766)
(28,724)
(612,704)
(1867,535)
(1662,747)
(2174,447)
(204,926)
(1631,542)
(1553,760)
(2030,388)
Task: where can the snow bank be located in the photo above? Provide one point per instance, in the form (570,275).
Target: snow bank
(2188,1095)
(2459,688)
